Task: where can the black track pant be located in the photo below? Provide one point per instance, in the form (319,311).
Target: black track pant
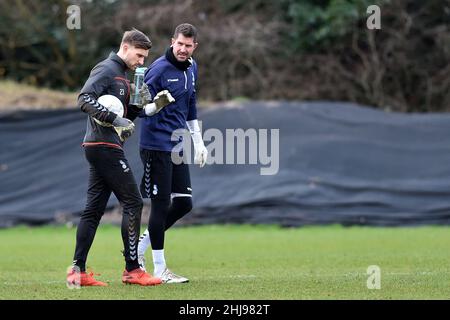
(109,172)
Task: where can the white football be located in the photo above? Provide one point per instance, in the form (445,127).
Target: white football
(113,104)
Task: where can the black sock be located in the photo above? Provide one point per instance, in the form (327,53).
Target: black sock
(130,266)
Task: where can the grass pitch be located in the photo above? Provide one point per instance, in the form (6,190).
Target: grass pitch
(239,262)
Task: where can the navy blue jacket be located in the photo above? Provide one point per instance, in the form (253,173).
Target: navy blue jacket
(156,130)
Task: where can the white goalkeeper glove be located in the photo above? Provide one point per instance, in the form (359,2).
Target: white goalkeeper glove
(162,99)
(201,153)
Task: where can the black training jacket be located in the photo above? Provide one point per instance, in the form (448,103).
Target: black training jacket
(107,77)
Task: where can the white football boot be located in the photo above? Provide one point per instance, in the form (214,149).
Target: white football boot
(170,277)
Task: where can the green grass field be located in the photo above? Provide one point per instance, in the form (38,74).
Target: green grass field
(239,262)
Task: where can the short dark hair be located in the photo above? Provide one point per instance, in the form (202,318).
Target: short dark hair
(187,30)
(137,39)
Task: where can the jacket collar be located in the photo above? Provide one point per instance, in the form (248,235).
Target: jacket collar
(113,56)
(183,66)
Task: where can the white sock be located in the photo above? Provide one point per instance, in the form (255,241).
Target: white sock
(159,262)
(144,243)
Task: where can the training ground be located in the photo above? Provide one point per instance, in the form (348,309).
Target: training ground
(239,262)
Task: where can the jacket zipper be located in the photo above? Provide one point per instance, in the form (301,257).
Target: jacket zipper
(185,81)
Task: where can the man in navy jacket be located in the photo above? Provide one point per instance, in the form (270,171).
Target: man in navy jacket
(165,182)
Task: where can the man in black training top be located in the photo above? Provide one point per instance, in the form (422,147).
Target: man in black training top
(109,170)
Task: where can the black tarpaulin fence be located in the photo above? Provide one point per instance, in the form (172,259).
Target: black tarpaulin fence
(338,163)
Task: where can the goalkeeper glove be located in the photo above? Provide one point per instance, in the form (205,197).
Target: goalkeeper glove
(201,153)
(162,99)
(145,96)
(124,127)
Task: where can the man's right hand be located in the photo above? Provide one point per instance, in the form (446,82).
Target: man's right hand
(124,127)
(162,99)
